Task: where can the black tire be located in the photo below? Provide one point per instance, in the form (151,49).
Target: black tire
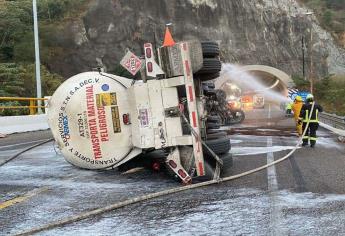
(213,125)
(207,77)
(221,95)
(227,160)
(242,115)
(238,119)
(218,146)
(214,119)
(209,173)
(210,49)
(210,66)
(209,85)
(210,43)
(213,131)
(210,92)
(217,135)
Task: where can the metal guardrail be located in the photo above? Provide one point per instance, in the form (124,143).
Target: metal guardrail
(332,120)
(32,103)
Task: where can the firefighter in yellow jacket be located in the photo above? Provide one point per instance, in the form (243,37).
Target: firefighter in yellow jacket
(296,108)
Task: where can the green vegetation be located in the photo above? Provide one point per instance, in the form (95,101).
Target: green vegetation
(331,14)
(329,92)
(16,26)
(17,58)
(18,80)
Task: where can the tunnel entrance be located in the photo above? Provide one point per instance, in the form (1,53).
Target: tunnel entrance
(256,79)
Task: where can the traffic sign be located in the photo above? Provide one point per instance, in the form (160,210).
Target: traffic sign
(292,93)
(131,62)
(303,94)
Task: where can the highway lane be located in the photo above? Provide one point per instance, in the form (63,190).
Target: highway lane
(21,140)
(303,195)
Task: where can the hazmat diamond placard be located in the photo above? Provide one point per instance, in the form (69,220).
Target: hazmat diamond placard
(131,63)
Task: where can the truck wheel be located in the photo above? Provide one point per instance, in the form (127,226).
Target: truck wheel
(214,119)
(218,146)
(210,43)
(221,95)
(240,115)
(210,49)
(209,172)
(209,85)
(210,66)
(237,119)
(212,131)
(227,160)
(210,92)
(207,77)
(212,125)
(217,135)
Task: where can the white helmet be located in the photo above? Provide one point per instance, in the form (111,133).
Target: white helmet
(310,97)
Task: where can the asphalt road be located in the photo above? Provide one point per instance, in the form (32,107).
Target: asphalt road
(304,195)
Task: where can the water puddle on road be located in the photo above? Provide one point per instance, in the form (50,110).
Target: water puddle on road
(244,151)
(264,131)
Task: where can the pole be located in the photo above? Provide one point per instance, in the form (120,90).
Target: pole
(37,56)
(303,57)
(311,74)
(311,60)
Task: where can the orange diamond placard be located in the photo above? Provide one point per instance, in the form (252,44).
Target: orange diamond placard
(131,63)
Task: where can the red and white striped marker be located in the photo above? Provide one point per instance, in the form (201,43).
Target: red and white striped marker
(192,107)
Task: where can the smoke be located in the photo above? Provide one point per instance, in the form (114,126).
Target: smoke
(249,83)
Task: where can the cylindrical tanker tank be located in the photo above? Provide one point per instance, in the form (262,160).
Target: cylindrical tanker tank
(85,117)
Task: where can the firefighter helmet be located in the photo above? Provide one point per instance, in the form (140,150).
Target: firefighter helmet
(310,97)
(299,98)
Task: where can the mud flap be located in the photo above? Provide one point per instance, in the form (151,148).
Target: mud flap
(217,171)
(174,163)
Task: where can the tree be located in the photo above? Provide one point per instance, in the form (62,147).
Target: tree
(10,85)
(327,17)
(335,4)
(15,21)
(18,80)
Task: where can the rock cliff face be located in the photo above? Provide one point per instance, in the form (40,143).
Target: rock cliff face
(264,32)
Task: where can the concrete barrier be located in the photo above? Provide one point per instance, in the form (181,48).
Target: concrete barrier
(334,130)
(19,124)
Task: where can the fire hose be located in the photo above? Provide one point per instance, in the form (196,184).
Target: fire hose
(25,150)
(149,196)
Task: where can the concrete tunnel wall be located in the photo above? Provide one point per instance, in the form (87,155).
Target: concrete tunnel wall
(266,74)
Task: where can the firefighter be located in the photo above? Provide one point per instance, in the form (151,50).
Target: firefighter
(288,109)
(296,108)
(304,117)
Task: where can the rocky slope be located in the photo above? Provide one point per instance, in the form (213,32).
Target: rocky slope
(265,32)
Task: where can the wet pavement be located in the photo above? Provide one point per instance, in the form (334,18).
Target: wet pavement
(304,195)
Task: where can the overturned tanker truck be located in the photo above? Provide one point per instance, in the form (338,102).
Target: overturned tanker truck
(104,121)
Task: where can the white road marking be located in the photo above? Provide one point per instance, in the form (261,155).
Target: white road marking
(271,171)
(272,182)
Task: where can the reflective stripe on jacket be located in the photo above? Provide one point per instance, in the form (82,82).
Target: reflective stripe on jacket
(288,106)
(305,112)
(312,119)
